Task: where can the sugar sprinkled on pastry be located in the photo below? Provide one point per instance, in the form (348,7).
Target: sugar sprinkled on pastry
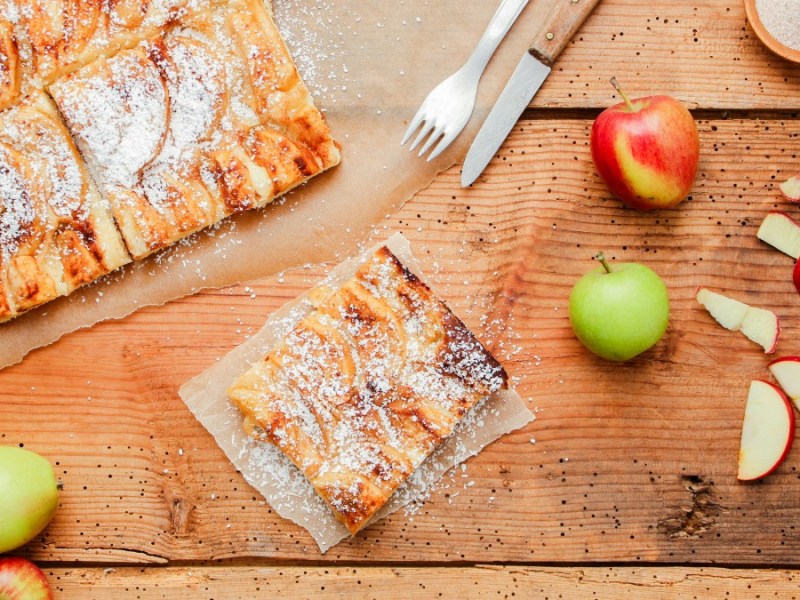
(183,112)
(56,233)
(59,36)
(208,119)
(366,386)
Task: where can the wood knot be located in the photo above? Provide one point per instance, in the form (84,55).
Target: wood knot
(179,514)
(697,516)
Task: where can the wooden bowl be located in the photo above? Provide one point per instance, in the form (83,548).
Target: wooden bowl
(766,37)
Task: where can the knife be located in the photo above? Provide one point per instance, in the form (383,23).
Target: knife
(558,29)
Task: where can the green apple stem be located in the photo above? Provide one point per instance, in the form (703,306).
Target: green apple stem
(627,100)
(602,258)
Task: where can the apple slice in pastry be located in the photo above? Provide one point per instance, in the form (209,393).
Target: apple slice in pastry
(196,84)
(55,232)
(118,110)
(10,75)
(45,26)
(81,19)
(127,14)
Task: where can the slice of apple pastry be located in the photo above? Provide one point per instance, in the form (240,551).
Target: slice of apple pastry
(206,120)
(366,386)
(56,233)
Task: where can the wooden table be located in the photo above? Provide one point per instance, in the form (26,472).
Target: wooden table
(623,486)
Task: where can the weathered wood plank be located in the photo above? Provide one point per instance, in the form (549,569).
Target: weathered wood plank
(294,583)
(704,53)
(631,462)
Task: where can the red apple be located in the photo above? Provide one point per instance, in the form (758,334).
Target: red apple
(20,579)
(646,150)
(796,276)
(767,431)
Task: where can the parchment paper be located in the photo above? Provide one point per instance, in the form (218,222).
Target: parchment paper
(369,64)
(271,473)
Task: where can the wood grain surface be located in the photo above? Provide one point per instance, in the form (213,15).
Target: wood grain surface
(631,463)
(480,582)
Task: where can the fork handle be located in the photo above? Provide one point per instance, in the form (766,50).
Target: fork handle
(559,28)
(501,22)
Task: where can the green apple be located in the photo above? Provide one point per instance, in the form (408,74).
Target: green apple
(28,496)
(619,313)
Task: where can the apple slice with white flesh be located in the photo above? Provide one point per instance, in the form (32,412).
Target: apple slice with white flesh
(780,231)
(791,189)
(767,431)
(787,371)
(757,324)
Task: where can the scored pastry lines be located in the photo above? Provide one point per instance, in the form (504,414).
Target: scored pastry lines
(227,67)
(56,232)
(52,38)
(184,111)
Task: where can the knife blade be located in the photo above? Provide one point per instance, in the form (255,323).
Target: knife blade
(558,28)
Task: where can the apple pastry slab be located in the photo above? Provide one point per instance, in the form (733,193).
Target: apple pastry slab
(183,112)
(362,389)
(356,397)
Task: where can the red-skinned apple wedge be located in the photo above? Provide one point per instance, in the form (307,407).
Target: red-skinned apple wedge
(20,579)
(757,324)
(791,189)
(796,276)
(787,372)
(782,232)
(767,431)
(646,150)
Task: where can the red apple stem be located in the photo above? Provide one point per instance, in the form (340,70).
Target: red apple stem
(602,258)
(627,100)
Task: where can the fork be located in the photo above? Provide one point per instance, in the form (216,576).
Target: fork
(447,109)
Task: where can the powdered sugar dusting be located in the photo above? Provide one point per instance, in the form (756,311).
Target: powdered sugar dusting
(60,175)
(121,114)
(267,468)
(16,206)
(38,171)
(321,60)
(365,387)
(197,93)
(195,124)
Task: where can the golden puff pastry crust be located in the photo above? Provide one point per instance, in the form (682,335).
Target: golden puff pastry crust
(58,36)
(366,386)
(10,66)
(56,233)
(208,119)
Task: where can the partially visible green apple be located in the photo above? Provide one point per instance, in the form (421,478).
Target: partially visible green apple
(619,313)
(28,496)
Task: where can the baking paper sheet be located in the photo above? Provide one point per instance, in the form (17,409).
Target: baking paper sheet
(271,473)
(369,64)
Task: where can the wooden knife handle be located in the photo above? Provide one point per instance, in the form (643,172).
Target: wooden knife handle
(559,28)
